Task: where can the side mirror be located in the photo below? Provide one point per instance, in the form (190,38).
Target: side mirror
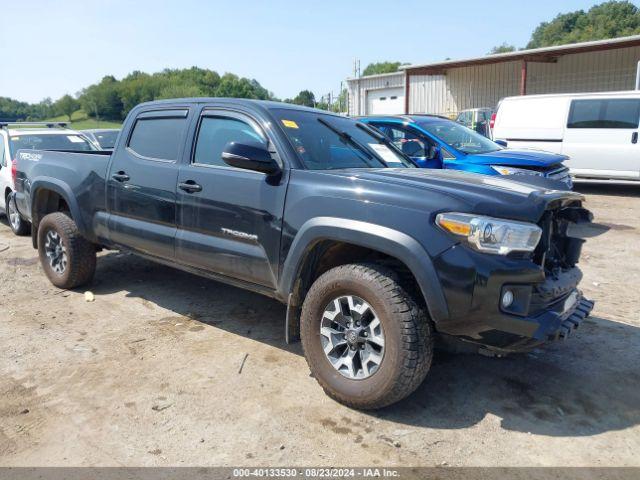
(502,143)
(250,156)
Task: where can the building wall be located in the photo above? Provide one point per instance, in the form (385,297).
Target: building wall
(461,88)
(609,70)
(485,85)
(358,89)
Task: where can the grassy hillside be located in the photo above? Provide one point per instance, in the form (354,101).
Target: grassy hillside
(80,121)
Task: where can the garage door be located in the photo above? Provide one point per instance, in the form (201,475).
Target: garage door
(385,101)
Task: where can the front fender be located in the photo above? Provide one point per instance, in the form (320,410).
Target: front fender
(376,237)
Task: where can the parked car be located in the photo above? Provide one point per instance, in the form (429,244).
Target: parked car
(373,257)
(30,135)
(478,119)
(598,131)
(437,142)
(105,139)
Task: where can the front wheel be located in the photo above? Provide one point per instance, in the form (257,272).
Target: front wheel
(366,340)
(68,259)
(19,226)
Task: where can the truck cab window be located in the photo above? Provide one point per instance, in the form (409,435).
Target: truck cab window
(216,132)
(158,138)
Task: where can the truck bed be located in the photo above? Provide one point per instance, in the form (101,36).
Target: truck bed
(80,175)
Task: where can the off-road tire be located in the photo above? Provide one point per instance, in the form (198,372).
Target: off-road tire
(81,254)
(23,227)
(407,330)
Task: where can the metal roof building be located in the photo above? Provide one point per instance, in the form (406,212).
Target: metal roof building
(450,86)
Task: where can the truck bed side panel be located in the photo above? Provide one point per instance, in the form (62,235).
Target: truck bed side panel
(79,178)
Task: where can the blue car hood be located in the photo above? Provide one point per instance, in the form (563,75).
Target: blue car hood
(517,158)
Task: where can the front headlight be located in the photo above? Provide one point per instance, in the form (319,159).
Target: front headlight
(491,235)
(515,171)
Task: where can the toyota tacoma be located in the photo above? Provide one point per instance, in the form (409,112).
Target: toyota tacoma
(376,260)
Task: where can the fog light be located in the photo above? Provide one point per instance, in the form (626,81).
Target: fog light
(507,298)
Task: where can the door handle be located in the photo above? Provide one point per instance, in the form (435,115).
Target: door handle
(190,186)
(634,137)
(120,177)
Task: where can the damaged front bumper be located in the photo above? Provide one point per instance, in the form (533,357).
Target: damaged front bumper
(545,307)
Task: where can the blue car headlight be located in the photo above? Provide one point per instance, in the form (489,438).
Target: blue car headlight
(515,171)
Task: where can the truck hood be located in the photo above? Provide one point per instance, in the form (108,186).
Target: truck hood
(517,158)
(482,194)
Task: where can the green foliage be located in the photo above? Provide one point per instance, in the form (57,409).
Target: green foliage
(66,106)
(305,97)
(608,20)
(503,48)
(381,67)
(80,121)
(112,99)
(13,110)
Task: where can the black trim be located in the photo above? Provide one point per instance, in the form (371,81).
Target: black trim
(550,140)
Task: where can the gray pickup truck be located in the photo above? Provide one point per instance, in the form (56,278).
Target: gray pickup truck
(376,260)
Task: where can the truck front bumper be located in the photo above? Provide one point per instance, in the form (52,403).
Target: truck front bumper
(545,307)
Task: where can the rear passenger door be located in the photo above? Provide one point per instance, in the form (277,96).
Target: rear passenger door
(141,183)
(229,219)
(601,137)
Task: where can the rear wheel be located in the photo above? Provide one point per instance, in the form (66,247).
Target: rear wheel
(18,225)
(366,340)
(68,259)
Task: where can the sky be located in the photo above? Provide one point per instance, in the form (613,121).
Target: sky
(50,48)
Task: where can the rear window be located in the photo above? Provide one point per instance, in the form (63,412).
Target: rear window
(611,113)
(49,141)
(158,138)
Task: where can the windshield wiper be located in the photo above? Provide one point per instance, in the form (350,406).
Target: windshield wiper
(348,138)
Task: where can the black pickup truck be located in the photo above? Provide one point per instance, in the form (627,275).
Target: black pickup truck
(376,260)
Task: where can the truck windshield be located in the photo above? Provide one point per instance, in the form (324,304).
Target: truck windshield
(49,141)
(329,142)
(460,137)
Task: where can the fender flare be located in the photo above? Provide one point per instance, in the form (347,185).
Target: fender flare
(376,237)
(62,189)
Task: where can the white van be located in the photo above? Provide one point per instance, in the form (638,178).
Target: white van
(598,131)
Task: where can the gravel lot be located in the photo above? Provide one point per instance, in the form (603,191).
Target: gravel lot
(150,374)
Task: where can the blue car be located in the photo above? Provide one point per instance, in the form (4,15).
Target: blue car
(437,142)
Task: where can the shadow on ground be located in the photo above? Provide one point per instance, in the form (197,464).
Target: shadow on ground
(585,386)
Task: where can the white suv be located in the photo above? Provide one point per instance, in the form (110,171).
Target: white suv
(28,135)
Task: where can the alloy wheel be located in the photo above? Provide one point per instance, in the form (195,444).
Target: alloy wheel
(56,252)
(352,337)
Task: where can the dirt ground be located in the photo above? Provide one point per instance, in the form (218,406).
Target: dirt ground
(150,374)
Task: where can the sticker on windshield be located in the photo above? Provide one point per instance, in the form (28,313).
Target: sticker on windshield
(75,139)
(386,154)
(290,124)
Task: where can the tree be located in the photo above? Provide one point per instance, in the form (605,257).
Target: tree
(305,97)
(381,67)
(66,106)
(607,20)
(502,48)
